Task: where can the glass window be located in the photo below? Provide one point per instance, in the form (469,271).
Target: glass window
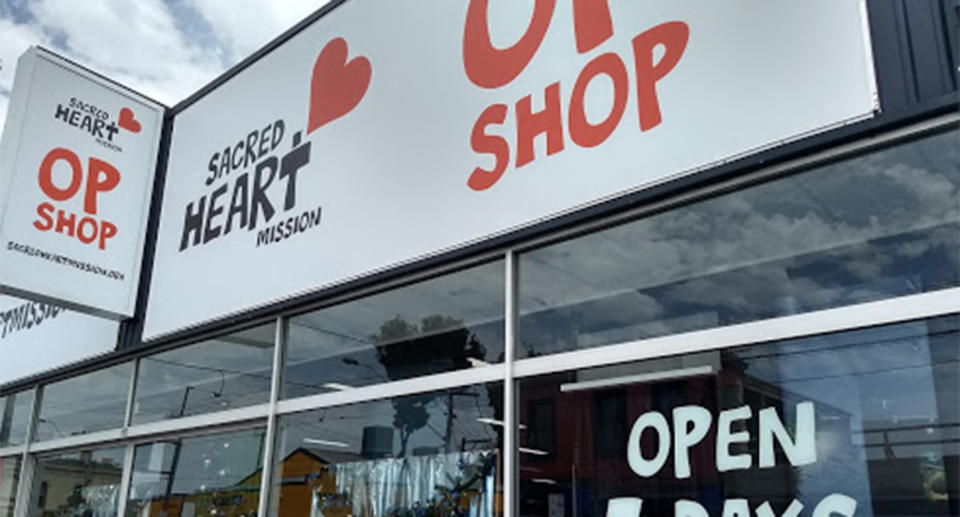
(438,325)
(9,475)
(92,402)
(876,226)
(217,475)
(222,373)
(80,483)
(14,418)
(864,423)
(433,454)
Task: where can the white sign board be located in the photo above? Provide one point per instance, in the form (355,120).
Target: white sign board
(36,337)
(387,132)
(77,162)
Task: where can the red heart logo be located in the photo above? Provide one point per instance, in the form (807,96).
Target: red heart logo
(336,86)
(128,121)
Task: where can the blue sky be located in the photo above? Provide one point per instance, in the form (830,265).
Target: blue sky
(166,49)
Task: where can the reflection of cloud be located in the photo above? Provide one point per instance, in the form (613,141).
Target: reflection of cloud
(869,227)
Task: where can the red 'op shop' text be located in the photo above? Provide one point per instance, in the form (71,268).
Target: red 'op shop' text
(489,67)
(101,177)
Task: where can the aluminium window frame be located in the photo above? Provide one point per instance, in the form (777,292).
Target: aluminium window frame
(265,415)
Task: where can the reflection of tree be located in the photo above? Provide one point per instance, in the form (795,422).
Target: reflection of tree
(438,343)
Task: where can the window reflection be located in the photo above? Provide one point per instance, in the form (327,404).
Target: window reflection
(9,475)
(14,418)
(223,373)
(217,475)
(91,402)
(81,484)
(446,323)
(884,428)
(432,454)
(877,226)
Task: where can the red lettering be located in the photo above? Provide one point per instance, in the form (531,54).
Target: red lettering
(482,179)
(529,124)
(44,212)
(591,23)
(97,184)
(46,174)
(66,223)
(101,177)
(583,132)
(107,230)
(489,67)
(92,224)
(673,36)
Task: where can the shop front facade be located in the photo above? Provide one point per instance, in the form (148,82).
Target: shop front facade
(776,334)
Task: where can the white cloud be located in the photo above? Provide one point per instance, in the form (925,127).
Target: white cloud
(143,44)
(14,40)
(135,43)
(244,30)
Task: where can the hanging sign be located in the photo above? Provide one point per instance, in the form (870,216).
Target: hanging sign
(77,162)
(379,136)
(36,337)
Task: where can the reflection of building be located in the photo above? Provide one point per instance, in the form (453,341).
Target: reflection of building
(72,486)
(236,501)
(307,482)
(575,441)
(325,483)
(908,461)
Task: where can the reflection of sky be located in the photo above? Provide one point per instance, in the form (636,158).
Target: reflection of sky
(346,424)
(19,419)
(863,382)
(860,381)
(474,296)
(874,375)
(90,402)
(228,372)
(97,400)
(347,344)
(870,227)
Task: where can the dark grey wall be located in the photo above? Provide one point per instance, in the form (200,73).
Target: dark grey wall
(915,50)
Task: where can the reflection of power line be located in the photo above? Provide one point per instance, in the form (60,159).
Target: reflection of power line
(346,337)
(868,372)
(328,426)
(353,362)
(875,342)
(889,445)
(262,377)
(221,371)
(53,425)
(917,427)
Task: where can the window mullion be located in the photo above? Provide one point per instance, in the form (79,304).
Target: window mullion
(269,445)
(25,482)
(510,400)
